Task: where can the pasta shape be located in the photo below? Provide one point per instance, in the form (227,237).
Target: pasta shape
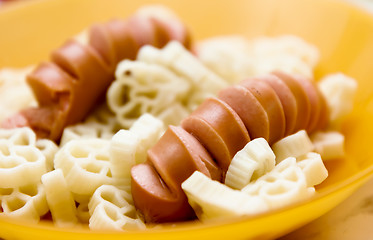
(211,199)
(26,202)
(148,129)
(339,91)
(282,186)
(204,82)
(294,145)
(111,209)
(49,149)
(129,147)
(313,168)
(59,198)
(254,160)
(329,144)
(235,58)
(100,124)
(14,92)
(145,88)
(21,162)
(85,161)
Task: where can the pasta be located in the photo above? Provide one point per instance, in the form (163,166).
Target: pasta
(339,90)
(86,177)
(14,92)
(48,148)
(85,161)
(204,82)
(21,162)
(235,58)
(329,144)
(293,145)
(213,200)
(145,88)
(284,185)
(58,195)
(111,209)
(313,168)
(100,124)
(26,202)
(129,147)
(254,160)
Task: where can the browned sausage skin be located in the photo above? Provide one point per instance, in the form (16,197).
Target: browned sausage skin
(69,86)
(261,106)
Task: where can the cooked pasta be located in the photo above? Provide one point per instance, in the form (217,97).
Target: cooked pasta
(144,88)
(85,161)
(284,185)
(204,82)
(235,58)
(253,161)
(26,202)
(111,209)
(21,162)
(14,92)
(58,195)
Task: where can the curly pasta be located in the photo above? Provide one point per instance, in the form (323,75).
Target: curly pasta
(111,209)
(85,160)
(21,162)
(285,184)
(26,202)
(235,58)
(58,194)
(144,88)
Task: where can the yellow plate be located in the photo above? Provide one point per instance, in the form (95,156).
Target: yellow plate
(29,30)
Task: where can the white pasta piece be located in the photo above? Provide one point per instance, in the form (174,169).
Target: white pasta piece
(228,56)
(293,145)
(110,208)
(85,161)
(284,185)
(123,148)
(330,144)
(26,202)
(148,130)
(213,200)
(235,58)
(59,198)
(254,160)
(339,91)
(86,130)
(175,112)
(38,196)
(18,136)
(21,163)
(174,56)
(15,93)
(19,206)
(144,88)
(49,149)
(287,53)
(313,168)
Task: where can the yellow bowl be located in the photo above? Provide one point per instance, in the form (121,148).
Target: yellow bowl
(29,30)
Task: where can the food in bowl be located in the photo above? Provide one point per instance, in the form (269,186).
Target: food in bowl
(176,113)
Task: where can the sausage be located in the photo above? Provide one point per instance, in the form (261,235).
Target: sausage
(76,78)
(255,107)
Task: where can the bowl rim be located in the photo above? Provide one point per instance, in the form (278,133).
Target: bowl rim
(356,179)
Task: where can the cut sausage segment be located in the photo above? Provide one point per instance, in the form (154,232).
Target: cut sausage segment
(272,105)
(219,129)
(303,103)
(253,115)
